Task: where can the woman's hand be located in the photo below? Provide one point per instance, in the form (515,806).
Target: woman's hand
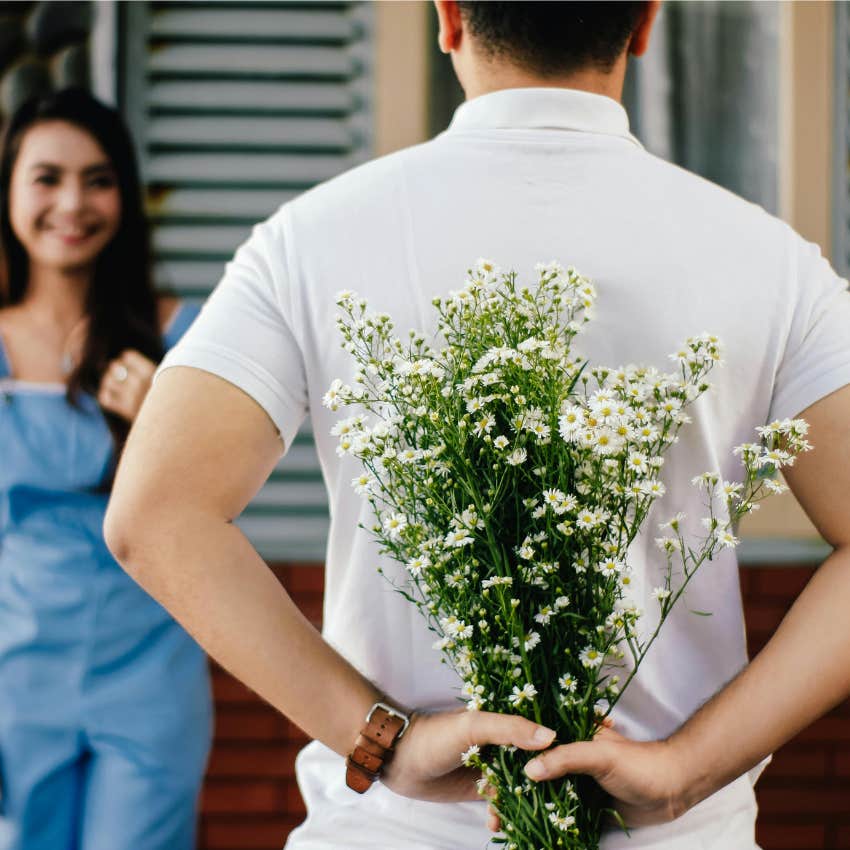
(125,384)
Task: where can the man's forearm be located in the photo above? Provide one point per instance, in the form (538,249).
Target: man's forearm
(205,572)
(799,675)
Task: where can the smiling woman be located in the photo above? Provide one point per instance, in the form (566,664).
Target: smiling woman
(65,204)
(105,707)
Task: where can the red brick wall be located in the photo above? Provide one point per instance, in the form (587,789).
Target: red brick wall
(250,800)
(804,795)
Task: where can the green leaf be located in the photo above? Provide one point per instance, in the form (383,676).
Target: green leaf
(620,822)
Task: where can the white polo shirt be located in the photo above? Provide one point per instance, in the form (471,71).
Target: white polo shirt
(522,176)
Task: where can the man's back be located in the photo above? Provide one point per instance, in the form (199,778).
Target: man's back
(524,176)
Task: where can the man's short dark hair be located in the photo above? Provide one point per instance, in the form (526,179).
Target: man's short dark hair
(552,38)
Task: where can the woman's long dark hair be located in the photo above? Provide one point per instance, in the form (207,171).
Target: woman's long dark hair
(121,303)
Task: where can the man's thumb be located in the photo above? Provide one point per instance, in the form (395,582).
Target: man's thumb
(581,757)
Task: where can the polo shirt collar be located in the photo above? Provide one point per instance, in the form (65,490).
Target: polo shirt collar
(544,108)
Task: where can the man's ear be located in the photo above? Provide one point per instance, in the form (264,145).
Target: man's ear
(640,37)
(451,25)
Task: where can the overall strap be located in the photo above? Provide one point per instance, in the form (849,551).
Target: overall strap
(183,316)
(5,367)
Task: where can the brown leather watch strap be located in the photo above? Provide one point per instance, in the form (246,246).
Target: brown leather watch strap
(374,745)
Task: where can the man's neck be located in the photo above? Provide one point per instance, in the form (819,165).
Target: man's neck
(488,77)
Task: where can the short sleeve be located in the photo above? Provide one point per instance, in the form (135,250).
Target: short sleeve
(816,359)
(243,333)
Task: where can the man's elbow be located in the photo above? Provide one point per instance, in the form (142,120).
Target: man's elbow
(131,527)
(119,533)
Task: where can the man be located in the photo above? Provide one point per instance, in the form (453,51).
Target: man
(538,163)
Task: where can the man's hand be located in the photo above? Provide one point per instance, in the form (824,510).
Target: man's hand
(644,778)
(427,764)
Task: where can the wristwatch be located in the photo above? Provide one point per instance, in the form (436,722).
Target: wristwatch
(384,727)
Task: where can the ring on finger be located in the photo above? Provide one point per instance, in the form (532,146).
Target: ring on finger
(121,373)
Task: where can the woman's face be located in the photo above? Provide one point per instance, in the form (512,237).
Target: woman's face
(64,200)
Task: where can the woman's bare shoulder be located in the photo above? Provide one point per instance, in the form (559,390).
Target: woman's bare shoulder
(167,306)
(9,317)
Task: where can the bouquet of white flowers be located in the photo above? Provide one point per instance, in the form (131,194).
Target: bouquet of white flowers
(510,478)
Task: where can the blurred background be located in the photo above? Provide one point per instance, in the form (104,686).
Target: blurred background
(238,107)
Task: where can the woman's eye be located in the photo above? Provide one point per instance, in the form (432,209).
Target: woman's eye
(103,182)
(46,179)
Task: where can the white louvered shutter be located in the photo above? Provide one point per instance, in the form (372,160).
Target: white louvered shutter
(236,108)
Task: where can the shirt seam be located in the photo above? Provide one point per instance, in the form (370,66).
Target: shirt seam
(261,375)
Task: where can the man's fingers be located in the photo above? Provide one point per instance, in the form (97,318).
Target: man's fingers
(508,730)
(494,822)
(582,757)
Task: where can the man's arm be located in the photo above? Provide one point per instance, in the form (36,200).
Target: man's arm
(199,451)
(799,675)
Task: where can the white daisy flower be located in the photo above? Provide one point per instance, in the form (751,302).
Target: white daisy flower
(363,484)
(466,757)
(610,567)
(532,639)
(484,425)
(496,581)
(605,441)
(544,615)
(561,822)
(541,431)
(776,487)
(668,544)
(476,703)
(458,537)
(394,524)
(776,457)
(516,457)
(726,539)
(331,398)
(417,564)
(520,695)
(526,552)
(552,498)
(653,488)
(586,518)
(567,683)
(453,627)
(591,657)
(566,504)
(637,462)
